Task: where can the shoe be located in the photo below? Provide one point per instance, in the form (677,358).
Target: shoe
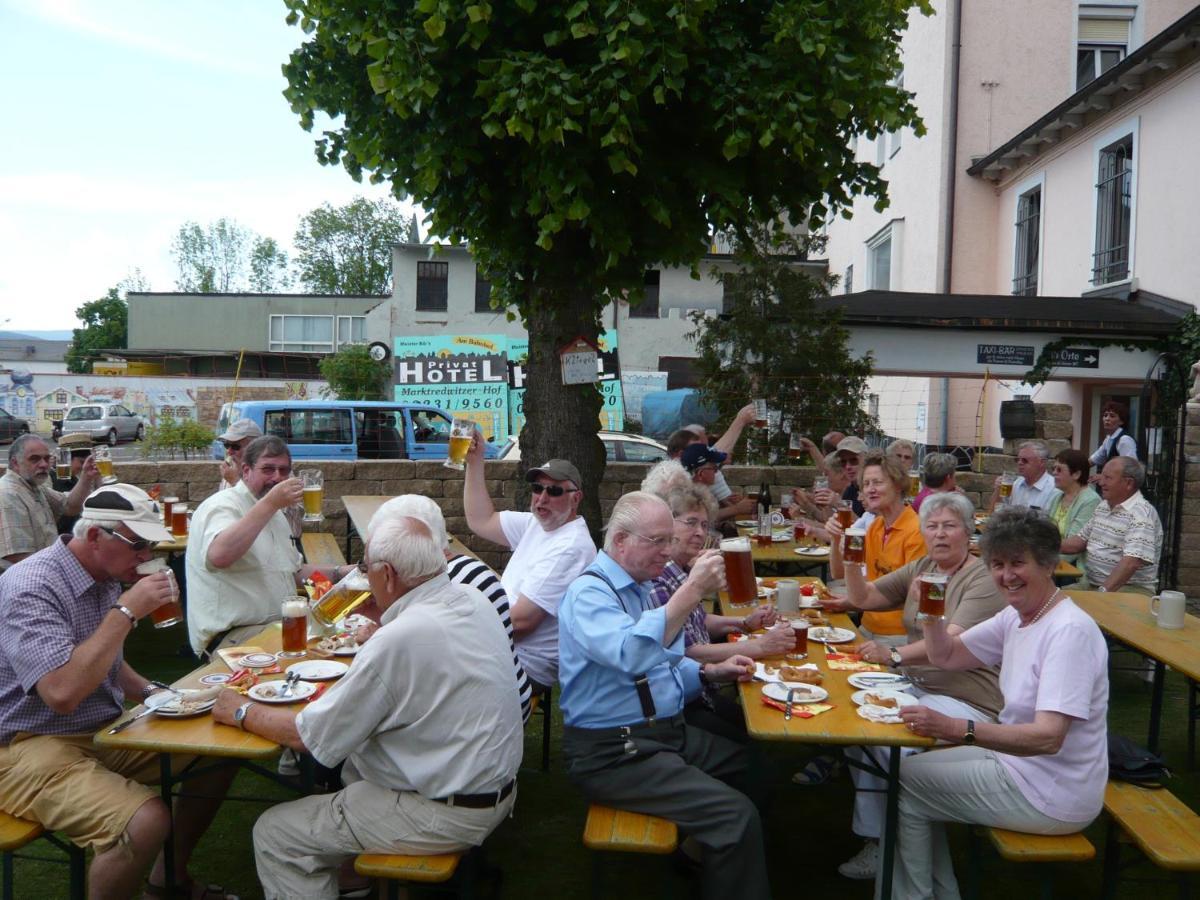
(818,770)
(288,763)
(862,865)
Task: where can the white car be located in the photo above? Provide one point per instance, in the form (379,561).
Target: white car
(618,447)
(108,422)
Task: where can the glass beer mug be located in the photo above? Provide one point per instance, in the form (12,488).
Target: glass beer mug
(314,494)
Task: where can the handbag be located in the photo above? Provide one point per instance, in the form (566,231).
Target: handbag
(1130,762)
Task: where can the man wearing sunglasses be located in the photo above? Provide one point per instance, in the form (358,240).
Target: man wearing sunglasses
(551,545)
(63,676)
(29,506)
(235,439)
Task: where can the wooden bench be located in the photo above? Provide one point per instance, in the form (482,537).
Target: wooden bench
(1164,829)
(16,834)
(1020,847)
(321,549)
(436,869)
(618,831)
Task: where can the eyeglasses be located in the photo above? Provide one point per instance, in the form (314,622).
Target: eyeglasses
(285,471)
(232,445)
(554,490)
(658,542)
(136,546)
(693,523)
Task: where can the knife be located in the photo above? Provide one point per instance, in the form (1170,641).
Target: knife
(153,702)
(128,722)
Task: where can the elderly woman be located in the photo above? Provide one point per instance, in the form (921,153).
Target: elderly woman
(903,452)
(893,540)
(1073,509)
(1043,767)
(937,477)
(947,521)
(692,508)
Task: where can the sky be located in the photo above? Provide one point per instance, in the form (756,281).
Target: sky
(128,118)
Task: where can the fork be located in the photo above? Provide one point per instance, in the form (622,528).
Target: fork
(289,684)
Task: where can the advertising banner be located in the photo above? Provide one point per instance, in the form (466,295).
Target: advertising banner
(463,374)
(612,414)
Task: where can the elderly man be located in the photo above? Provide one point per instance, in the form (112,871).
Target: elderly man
(29,507)
(426,720)
(850,451)
(235,439)
(625,681)
(551,545)
(1035,488)
(937,473)
(240,559)
(461,569)
(63,676)
(1124,536)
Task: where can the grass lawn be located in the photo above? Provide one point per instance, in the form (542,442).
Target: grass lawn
(541,853)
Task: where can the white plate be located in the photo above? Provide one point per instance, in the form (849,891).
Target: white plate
(778,690)
(347,651)
(761,673)
(812,602)
(268,692)
(879,714)
(781,537)
(879,681)
(319,669)
(811,551)
(173,708)
(860,697)
(746,523)
(258,660)
(830,635)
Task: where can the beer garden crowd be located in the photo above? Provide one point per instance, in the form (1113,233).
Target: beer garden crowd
(423,735)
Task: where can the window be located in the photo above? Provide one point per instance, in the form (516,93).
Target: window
(1025,256)
(310,426)
(647,307)
(873,406)
(1104,33)
(879,256)
(1114,219)
(848,280)
(734,288)
(483,295)
(432,286)
(314,334)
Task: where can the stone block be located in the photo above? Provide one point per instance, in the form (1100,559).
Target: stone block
(394,487)
(1191,436)
(1191,506)
(451,506)
(995,464)
(1193,413)
(1053,412)
(189,471)
(1191,489)
(1051,430)
(432,470)
(336,488)
(610,491)
(378,469)
(1191,472)
(1057,445)
(198,493)
(1189,559)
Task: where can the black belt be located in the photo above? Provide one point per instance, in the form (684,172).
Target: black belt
(478,801)
(625,730)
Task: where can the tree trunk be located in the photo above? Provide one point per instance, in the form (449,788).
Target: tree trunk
(561,421)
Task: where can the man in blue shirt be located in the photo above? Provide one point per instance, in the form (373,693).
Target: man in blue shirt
(625,681)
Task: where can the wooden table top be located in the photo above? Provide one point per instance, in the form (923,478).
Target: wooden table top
(176,545)
(360,508)
(784,551)
(840,725)
(728,607)
(199,735)
(1127,618)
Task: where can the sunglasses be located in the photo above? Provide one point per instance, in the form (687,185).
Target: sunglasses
(554,490)
(136,546)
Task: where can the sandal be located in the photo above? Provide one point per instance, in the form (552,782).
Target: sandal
(819,770)
(189,891)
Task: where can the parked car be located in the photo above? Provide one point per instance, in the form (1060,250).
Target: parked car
(12,427)
(619,446)
(110,422)
(347,429)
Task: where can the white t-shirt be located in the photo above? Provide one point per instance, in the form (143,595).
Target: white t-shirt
(1059,664)
(542,565)
(720,489)
(1040,494)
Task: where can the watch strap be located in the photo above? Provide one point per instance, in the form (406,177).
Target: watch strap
(128,613)
(240,715)
(969,737)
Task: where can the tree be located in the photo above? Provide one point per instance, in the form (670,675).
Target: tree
(354,375)
(575,145)
(348,249)
(105,327)
(216,259)
(780,338)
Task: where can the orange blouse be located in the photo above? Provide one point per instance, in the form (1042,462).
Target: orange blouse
(887,549)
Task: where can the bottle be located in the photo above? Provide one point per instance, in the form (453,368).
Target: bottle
(764,514)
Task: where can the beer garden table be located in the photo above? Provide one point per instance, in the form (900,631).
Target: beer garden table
(360,508)
(1127,618)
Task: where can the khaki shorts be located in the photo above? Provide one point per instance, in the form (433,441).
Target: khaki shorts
(68,784)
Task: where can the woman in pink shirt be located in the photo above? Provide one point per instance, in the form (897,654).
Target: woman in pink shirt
(1043,766)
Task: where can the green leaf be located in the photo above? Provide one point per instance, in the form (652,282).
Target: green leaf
(578,209)
(435,27)
(475,13)
(492,129)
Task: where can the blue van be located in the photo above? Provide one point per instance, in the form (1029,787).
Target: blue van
(347,429)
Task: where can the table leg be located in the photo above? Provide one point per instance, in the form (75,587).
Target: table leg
(167,786)
(890,824)
(1160,678)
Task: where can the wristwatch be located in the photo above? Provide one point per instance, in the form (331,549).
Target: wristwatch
(969,737)
(152,686)
(1102,589)
(894,657)
(239,717)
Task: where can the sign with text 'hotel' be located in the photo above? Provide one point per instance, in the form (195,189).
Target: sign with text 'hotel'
(608,366)
(464,374)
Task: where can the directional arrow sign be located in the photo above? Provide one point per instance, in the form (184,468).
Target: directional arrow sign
(1076,357)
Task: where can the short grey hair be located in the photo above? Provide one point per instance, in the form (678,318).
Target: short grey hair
(835,462)
(1016,531)
(666,476)
(16,451)
(937,467)
(690,497)
(955,502)
(80,529)
(901,444)
(1042,450)
(1132,468)
(627,514)
(407,545)
(418,507)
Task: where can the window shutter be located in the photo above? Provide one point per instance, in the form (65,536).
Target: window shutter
(1103,31)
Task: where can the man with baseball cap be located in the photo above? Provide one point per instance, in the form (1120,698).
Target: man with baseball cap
(235,439)
(551,546)
(63,676)
(850,451)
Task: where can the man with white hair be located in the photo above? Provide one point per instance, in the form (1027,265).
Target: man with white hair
(625,681)
(426,721)
(462,569)
(1035,488)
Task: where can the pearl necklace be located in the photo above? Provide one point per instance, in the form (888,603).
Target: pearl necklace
(1045,606)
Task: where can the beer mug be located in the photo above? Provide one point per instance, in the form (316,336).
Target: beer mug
(314,494)
(854,546)
(170,613)
(63,465)
(104,465)
(461,433)
(914,482)
(1169,608)
(795,448)
(179,520)
(739,571)
(167,503)
(342,599)
(932,603)
(760,413)
(1007,480)
(787,595)
(293,613)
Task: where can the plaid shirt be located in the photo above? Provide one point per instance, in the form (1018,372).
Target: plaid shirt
(28,516)
(49,605)
(661,589)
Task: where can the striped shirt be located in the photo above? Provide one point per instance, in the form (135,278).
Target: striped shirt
(1131,528)
(474,573)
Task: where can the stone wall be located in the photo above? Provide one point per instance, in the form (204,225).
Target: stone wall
(1189,539)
